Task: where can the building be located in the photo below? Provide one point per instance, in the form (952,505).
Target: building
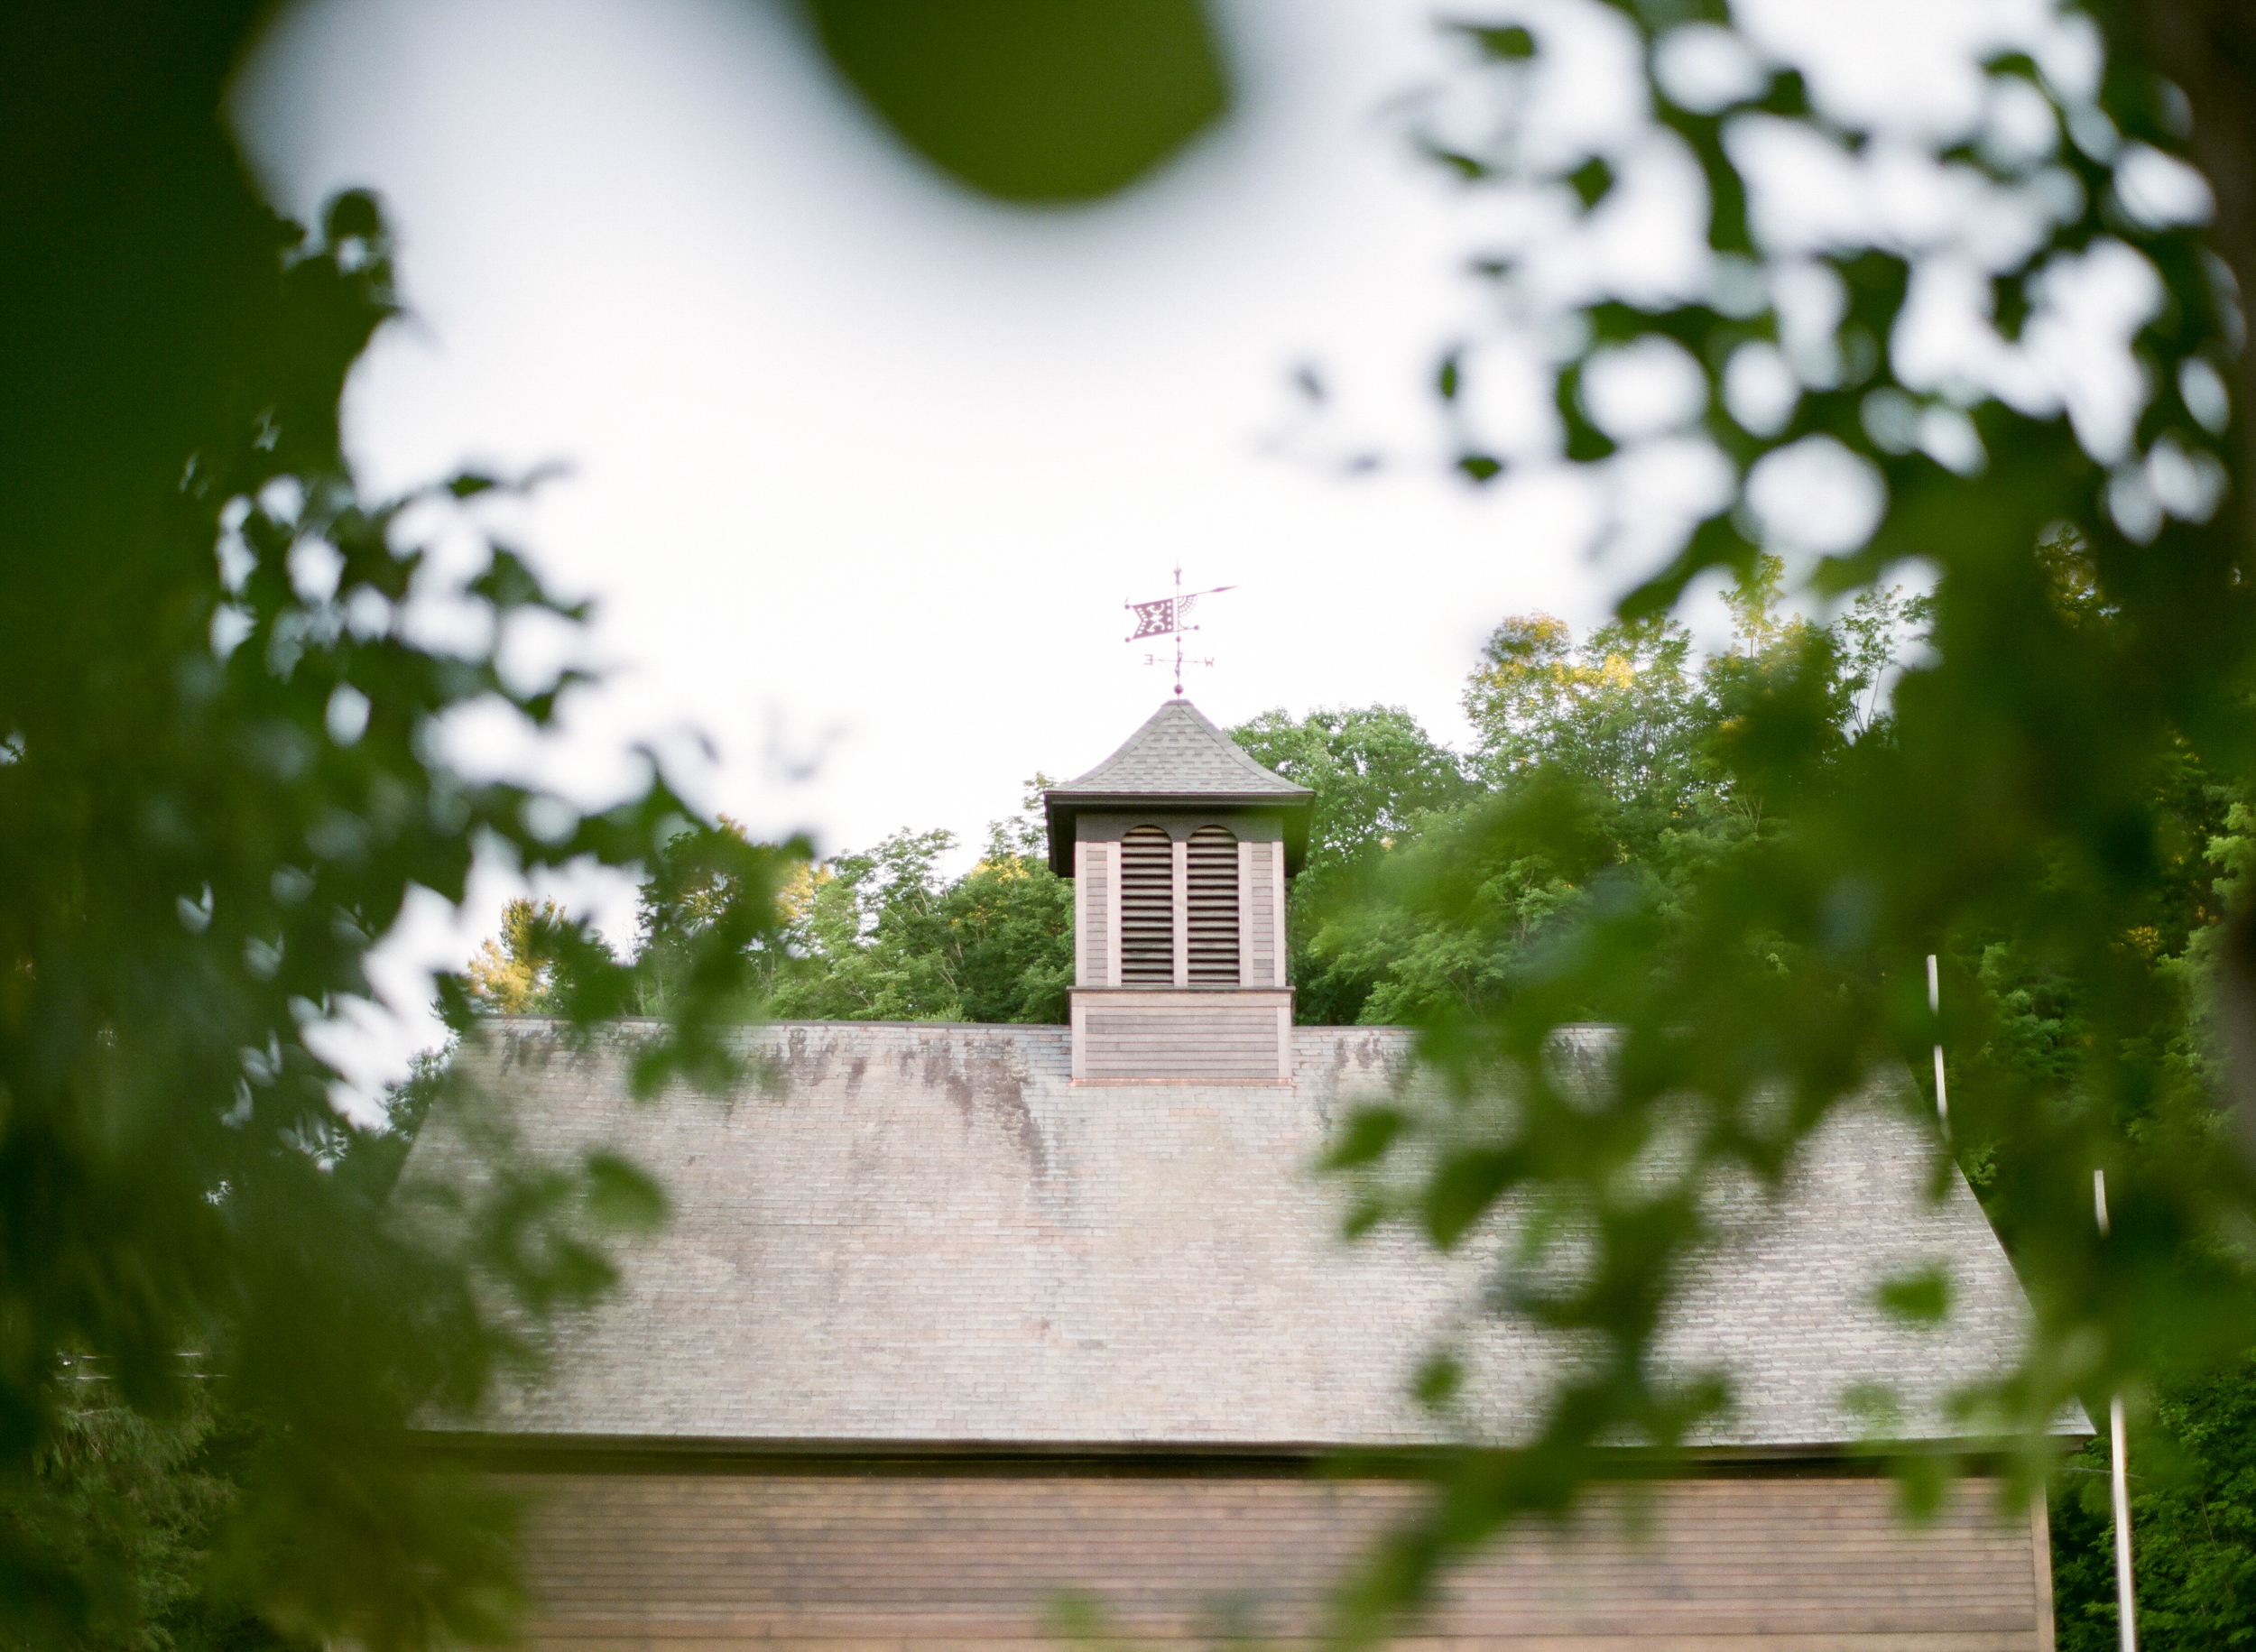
(954,1324)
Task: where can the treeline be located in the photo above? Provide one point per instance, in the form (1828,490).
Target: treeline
(1627,717)
(1433,880)
(878,934)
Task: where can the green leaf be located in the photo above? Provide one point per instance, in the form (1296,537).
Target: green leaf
(1032,100)
(1921,1299)
(1461,1192)
(1509,43)
(1593,181)
(1370,1132)
(1438,1381)
(621,1196)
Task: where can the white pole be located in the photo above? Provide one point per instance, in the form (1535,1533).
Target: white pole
(1935,1007)
(2119,1453)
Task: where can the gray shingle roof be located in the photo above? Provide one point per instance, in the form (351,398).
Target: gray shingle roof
(1178,752)
(926,1233)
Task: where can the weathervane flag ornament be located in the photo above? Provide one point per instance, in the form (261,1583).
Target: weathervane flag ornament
(1153,619)
(1165,618)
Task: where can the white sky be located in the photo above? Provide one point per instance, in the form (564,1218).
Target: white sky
(862,467)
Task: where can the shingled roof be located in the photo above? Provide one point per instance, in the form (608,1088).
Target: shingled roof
(923,1234)
(1178,752)
(1177,757)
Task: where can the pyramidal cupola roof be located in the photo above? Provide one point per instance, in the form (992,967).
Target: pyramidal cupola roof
(1178,759)
(1178,753)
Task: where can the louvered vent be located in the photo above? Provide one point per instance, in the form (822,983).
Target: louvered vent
(1214,907)
(1147,908)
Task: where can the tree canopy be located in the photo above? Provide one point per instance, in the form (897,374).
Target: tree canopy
(885,936)
(882,934)
(2193,1519)
(1375,774)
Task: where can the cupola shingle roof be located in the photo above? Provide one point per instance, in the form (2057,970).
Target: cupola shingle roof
(1177,758)
(1178,753)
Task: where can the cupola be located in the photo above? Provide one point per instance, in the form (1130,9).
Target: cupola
(1180,845)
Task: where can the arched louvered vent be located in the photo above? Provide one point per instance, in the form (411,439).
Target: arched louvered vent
(1214,906)
(1147,908)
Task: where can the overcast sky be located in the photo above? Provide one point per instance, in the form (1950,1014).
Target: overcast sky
(862,469)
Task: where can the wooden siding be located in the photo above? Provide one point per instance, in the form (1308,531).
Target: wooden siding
(850,1557)
(1224,1037)
(1095,950)
(1260,898)
(1276,910)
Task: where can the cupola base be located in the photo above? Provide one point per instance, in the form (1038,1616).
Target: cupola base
(1183,1035)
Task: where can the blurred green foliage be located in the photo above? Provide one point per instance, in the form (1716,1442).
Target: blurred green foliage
(221,782)
(137,1506)
(2045,804)
(1041,101)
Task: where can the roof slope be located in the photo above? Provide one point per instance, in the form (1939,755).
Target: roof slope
(1178,752)
(925,1233)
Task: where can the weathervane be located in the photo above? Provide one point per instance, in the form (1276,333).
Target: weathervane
(1165,618)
